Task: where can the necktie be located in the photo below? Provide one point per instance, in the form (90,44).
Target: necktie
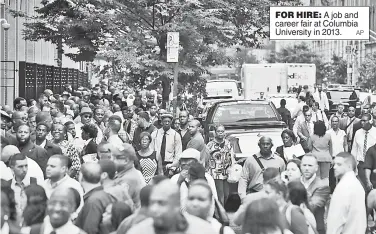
(163,146)
(317,117)
(309,128)
(365,144)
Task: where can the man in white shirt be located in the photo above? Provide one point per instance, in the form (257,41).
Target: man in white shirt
(364,139)
(319,115)
(347,210)
(299,108)
(33,170)
(112,131)
(321,98)
(57,177)
(338,136)
(19,166)
(167,142)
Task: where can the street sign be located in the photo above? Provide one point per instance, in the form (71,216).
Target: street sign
(172,47)
(172,54)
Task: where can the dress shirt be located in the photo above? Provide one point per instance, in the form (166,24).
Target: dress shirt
(347,211)
(308,182)
(184,190)
(311,127)
(338,139)
(251,176)
(65,182)
(173,144)
(358,145)
(350,127)
(319,115)
(322,99)
(115,140)
(19,194)
(69,227)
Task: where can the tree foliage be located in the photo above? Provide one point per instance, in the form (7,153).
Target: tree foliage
(338,68)
(367,71)
(301,53)
(132,34)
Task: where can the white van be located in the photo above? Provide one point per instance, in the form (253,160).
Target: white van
(221,90)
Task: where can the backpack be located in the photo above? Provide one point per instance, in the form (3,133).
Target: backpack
(311,230)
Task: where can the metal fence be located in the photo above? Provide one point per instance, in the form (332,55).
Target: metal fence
(35,78)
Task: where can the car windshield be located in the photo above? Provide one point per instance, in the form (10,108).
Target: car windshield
(244,112)
(338,96)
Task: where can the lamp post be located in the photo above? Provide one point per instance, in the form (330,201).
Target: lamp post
(5,25)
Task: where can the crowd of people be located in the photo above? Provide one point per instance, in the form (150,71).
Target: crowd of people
(101,161)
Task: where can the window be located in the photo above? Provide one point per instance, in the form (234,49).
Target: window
(244,112)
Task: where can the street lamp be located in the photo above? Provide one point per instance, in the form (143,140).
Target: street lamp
(4,24)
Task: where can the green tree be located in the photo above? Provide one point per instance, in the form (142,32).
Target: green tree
(338,70)
(132,34)
(81,24)
(301,53)
(367,71)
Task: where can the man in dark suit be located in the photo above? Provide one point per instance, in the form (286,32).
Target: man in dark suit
(318,190)
(42,131)
(352,125)
(305,131)
(184,131)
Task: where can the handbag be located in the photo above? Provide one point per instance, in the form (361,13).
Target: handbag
(234,173)
(220,213)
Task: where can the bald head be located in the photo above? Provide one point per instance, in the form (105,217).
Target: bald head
(19,114)
(91,172)
(8,151)
(170,191)
(266,139)
(195,122)
(64,192)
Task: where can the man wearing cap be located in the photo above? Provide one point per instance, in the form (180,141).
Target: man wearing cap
(144,125)
(86,115)
(187,158)
(6,136)
(167,142)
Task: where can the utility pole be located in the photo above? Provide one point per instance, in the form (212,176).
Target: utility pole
(173,57)
(349,64)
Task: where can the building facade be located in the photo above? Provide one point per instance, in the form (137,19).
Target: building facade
(359,49)
(14,49)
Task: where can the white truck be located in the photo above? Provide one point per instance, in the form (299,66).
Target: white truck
(221,89)
(265,78)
